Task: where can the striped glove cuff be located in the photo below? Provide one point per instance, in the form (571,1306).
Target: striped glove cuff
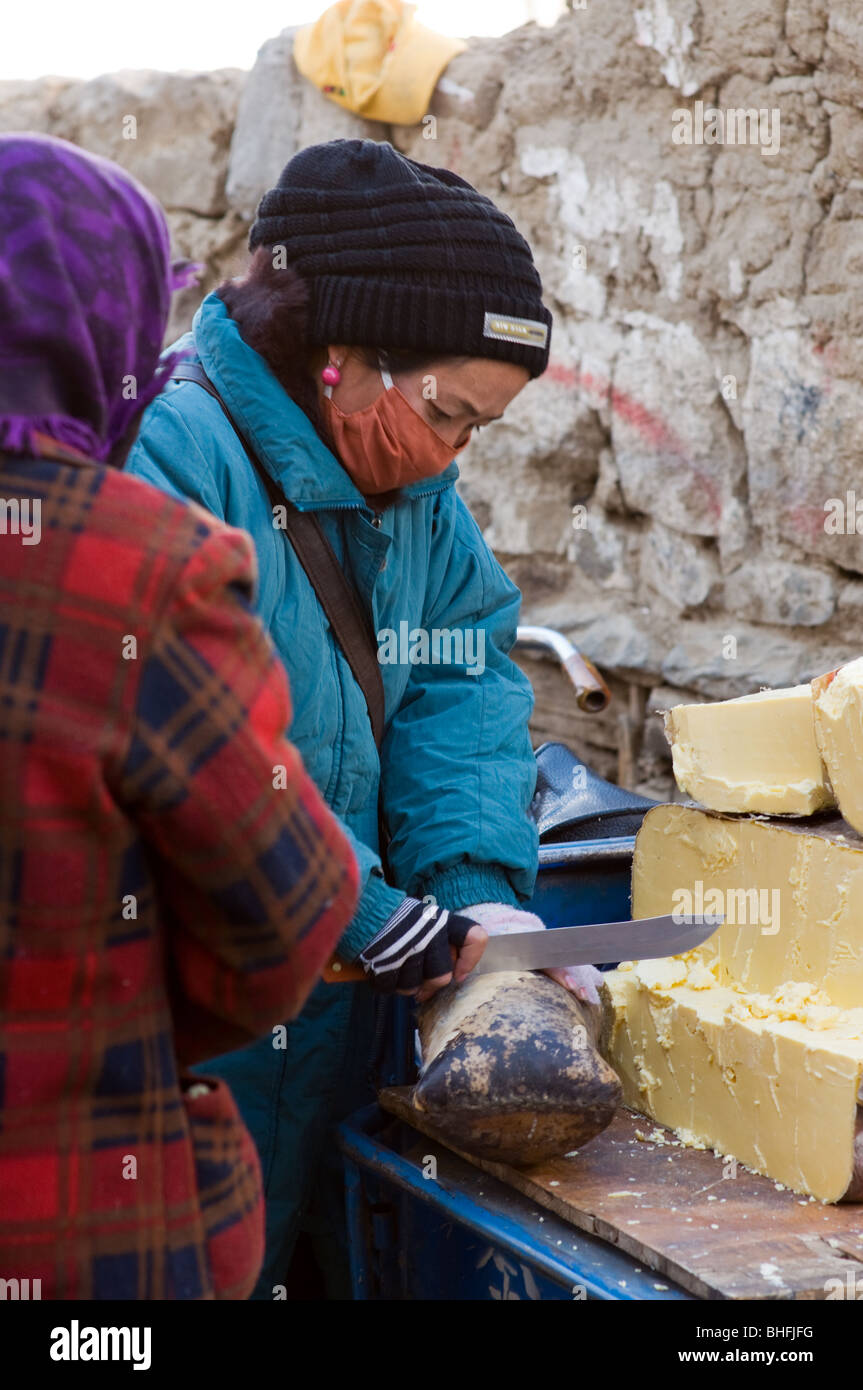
(414,945)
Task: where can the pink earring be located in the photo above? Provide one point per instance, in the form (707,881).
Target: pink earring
(331,375)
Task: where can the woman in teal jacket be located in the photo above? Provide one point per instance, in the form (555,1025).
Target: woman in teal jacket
(388,310)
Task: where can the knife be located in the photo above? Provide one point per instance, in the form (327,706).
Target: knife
(592,943)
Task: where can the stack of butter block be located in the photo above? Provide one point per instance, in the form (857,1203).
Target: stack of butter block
(752,1044)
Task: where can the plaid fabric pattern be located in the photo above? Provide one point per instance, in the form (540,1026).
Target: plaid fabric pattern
(171,884)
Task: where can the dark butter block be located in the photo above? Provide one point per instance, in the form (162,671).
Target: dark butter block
(510,1068)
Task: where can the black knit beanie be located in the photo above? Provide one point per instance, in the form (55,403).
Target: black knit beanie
(400,255)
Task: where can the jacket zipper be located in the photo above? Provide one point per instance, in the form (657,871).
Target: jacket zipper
(357,506)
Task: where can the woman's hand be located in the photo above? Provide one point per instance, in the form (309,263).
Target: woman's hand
(421,948)
(499,919)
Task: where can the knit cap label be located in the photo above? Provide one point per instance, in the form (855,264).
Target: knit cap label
(512,330)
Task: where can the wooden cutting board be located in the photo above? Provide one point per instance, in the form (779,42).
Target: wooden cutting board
(672,1209)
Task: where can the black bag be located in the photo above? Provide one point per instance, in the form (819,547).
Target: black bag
(572,802)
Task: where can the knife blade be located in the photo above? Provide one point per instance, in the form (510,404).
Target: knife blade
(594,943)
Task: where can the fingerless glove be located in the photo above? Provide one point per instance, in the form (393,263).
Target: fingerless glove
(414,945)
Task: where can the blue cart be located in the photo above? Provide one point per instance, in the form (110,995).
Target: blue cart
(466,1235)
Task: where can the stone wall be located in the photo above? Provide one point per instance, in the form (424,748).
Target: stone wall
(660,493)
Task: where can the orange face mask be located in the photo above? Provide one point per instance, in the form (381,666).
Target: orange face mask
(387,444)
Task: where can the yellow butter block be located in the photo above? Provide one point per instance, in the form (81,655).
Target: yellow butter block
(764,1080)
(838,706)
(757,754)
(791,893)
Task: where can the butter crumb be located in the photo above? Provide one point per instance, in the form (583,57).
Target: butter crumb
(691,1140)
(700,977)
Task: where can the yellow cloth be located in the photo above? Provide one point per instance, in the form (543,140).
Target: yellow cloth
(372,57)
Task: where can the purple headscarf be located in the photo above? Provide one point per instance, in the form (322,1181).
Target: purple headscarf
(85,290)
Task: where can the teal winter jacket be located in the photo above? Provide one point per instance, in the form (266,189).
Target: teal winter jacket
(456,764)
(456,768)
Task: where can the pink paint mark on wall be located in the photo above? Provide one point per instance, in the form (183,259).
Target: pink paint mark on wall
(647,424)
(806,521)
(650,427)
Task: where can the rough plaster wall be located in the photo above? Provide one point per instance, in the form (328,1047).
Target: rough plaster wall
(671,269)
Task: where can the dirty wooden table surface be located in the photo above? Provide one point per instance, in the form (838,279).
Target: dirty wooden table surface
(719,1232)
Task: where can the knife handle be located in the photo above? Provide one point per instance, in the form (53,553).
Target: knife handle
(340,972)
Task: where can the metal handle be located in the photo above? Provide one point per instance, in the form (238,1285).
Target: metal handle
(591,692)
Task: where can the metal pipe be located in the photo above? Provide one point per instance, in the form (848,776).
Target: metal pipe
(588,852)
(591,692)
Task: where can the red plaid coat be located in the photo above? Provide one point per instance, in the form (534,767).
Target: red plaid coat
(170,885)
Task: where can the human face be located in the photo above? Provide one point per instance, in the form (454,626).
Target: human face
(454,395)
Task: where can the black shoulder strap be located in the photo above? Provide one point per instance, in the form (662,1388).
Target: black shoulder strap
(335,595)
